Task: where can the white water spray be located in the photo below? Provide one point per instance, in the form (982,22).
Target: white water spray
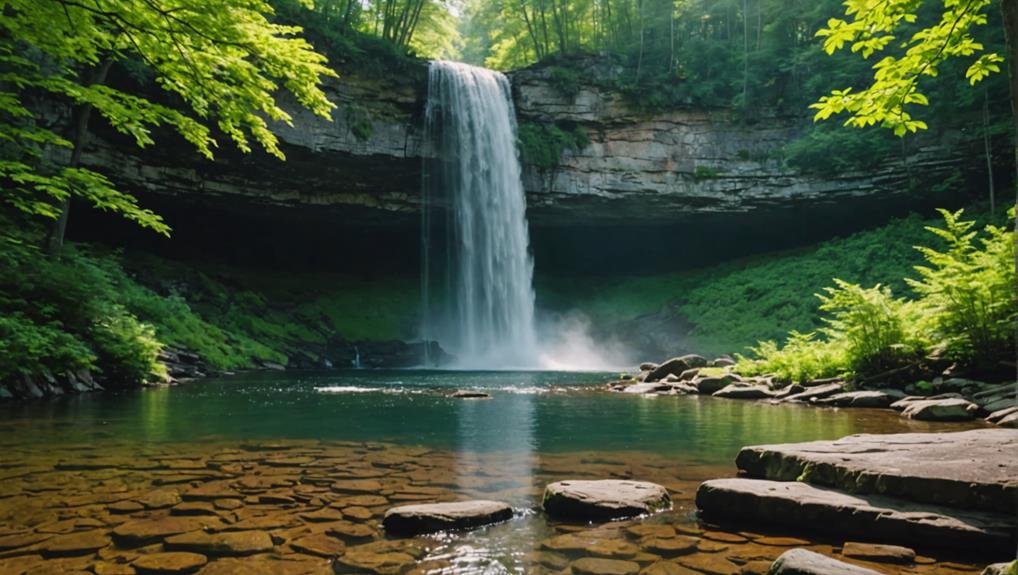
(478,272)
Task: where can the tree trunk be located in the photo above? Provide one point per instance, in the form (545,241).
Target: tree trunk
(1009,8)
(988,149)
(55,237)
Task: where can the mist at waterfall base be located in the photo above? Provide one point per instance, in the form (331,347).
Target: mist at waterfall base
(476,266)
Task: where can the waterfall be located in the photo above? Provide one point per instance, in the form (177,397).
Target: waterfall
(477,271)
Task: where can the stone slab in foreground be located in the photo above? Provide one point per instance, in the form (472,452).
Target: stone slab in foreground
(434,517)
(604,500)
(975,469)
(871,517)
(805,562)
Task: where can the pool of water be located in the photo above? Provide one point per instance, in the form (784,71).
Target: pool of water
(283,445)
(527,412)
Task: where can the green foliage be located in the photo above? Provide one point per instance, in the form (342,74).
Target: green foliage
(968,289)
(565,80)
(730,306)
(359,121)
(828,150)
(876,331)
(542,145)
(802,358)
(224,61)
(63,314)
(894,90)
(702,173)
(965,308)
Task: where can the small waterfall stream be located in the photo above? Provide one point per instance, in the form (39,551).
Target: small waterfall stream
(477,271)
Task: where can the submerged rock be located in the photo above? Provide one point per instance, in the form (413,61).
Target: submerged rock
(803,506)
(604,500)
(432,517)
(469,394)
(805,562)
(647,388)
(878,553)
(169,563)
(599,566)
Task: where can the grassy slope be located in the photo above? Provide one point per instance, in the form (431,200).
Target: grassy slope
(237,315)
(736,304)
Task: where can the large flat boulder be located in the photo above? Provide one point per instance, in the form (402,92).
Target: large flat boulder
(434,517)
(974,469)
(954,409)
(805,562)
(675,366)
(867,398)
(802,506)
(604,500)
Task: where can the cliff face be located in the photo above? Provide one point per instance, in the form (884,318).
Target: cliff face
(364,166)
(666,166)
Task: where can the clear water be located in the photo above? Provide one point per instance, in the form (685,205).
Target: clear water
(539,412)
(403,429)
(478,254)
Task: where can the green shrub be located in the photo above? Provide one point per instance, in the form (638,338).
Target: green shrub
(965,309)
(127,350)
(29,348)
(968,290)
(876,331)
(565,80)
(802,358)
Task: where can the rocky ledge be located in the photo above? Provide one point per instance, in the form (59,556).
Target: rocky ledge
(946,398)
(938,490)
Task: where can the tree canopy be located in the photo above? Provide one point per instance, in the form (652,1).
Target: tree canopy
(220,66)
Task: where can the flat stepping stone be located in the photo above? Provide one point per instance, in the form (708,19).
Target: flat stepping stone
(170,563)
(968,469)
(680,545)
(604,500)
(193,508)
(319,544)
(804,562)
(598,566)
(81,543)
(878,553)
(379,557)
(231,543)
(145,531)
(351,531)
(434,517)
(803,506)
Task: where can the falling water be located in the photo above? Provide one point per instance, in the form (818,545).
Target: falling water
(477,269)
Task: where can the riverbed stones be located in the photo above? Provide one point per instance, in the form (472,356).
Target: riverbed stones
(640,388)
(227,544)
(170,563)
(800,505)
(319,544)
(434,517)
(710,385)
(603,500)
(878,553)
(1001,568)
(600,566)
(80,543)
(144,531)
(954,409)
(805,562)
